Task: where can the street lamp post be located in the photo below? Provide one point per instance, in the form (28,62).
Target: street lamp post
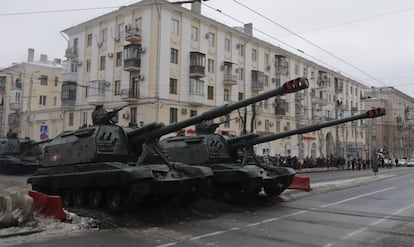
(29,105)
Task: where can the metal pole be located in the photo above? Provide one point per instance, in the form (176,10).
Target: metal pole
(29,105)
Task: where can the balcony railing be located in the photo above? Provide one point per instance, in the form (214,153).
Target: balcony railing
(230,79)
(130,94)
(15,106)
(197,71)
(71,52)
(132,64)
(257,86)
(133,35)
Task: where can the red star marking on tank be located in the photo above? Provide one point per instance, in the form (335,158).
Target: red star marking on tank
(55,157)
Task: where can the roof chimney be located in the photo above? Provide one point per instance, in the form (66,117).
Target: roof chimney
(30,55)
(196,6)
(248,29)
(43,58)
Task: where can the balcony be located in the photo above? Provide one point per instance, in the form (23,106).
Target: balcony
(130,94)
(197,71)
(71,52)
(229,79)
(68,95)
(196,99)
(197,64)
(281,111)
(257,80)
(15,106)
(354,110)
(96,92)
(319,97)
(133,35)
(132,58)
(281,65)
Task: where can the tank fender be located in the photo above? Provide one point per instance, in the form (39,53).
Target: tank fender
(193,170)
(282,171)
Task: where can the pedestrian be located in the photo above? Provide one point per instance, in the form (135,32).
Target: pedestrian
(396,162)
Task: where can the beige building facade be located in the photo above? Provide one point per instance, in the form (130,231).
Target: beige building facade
(30,98)
(393,134)
(169,63)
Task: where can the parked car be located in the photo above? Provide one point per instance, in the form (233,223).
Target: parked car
(402,162)
(410,162)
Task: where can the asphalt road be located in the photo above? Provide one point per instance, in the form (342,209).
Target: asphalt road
(378,213)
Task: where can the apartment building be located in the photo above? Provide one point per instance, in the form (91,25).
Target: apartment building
(30,98)
(392,134)
(170,63)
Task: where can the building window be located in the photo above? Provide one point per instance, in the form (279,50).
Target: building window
(54,101)
(71,118)
(173,115)
(43,80)
(121,30)
(196,87)
(174,26)
(133,112)
(193,113)
(210,92)
(194,33)
(174,56)
(266,59)
(241,50)
(227,44)
(104,35)
(85,118)
(227,121)
(211,65)
(88,65)
(241,74)
(89,40)
(118,59)
(226,97)
(173,86)
(241,96)
(266,80)
(138,24)
(254,55)
(211,39)
(305,72)
(42,100)
(102,63)
(56,81)
(296,69)
(117,89)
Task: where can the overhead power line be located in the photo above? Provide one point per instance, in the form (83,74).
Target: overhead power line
(308,41)
(55,11)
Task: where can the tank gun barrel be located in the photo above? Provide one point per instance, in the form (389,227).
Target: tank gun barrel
(239,142)
(288,87)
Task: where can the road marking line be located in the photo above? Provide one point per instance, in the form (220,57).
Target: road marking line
(349,235)
(275,219)
(209,234)
(355,197)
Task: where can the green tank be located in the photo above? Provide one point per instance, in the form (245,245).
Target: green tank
(277,179)
(106,164)
(234,179)
(19,156)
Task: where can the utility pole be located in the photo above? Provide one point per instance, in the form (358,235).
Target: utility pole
(29,105)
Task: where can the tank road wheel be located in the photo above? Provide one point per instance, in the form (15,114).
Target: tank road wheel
(229,193)
(65,196)
(78,198)
(274,190)
(115,201)
(95,198)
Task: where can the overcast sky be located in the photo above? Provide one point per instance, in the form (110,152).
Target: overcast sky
(371,41)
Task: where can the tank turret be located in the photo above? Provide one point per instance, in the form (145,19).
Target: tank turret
(124,165)
(241,148)
(233,180)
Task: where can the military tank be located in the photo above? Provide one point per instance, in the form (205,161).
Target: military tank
(277,179)
(233,179)
(19,156)
(122,166)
